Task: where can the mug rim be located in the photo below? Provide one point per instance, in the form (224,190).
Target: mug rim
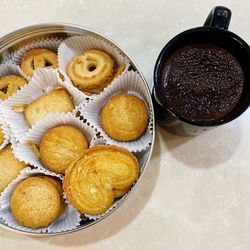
(158,66)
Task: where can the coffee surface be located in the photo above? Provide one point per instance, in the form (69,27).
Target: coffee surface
(202,82)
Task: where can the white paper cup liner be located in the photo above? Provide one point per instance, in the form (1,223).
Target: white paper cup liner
(76,45)
(5,131)
(10,69)
(43,81)
(45,43)
(24,153)
(69,220)
(129,82)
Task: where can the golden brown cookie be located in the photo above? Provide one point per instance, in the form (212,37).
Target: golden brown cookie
(60,146)
(124,117)
(58,100)
(38,58)
(92,71)
(120,192)
(36,202)
(10,167)
(9,85)
(58,185)
(1,135)
(90,181)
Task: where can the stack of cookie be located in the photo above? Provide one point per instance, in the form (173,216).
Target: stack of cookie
(58,106)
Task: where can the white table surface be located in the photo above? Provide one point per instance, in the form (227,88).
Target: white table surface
(195,193)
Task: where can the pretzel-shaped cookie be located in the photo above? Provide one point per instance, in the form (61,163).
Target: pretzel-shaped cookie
(9,85)
(38,58)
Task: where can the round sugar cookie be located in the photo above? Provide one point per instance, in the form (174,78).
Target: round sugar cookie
(124,117)
(58,185)
(35,202)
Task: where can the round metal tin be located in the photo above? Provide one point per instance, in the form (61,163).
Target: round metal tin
(20,37)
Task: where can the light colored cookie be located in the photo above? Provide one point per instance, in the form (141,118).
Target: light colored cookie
(90,181)
(38,58)
(36,202)
(92,71)
(124,117)
(60,146)
(58,100)
(9,85)
(10,167)
(58,185)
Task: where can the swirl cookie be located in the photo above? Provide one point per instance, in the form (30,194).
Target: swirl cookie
(36,202)
(38,58)
(91,182)
(92,71)
(9,85)
(60,146)
(10,167)
(56,101)
(124,117)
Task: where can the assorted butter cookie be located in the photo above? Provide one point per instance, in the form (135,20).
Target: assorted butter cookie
(36,202)
(56,101)
(10,167)
(94,177)
(92,71)
(58,184)
(9,85)
(60,146)
(124,117)
(38,58)
(102,174)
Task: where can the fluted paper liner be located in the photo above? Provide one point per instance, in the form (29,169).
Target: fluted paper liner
(76,45)
(45,43)
(5,131)
(129,82)
(69,220)
(43,81)
(24,153)
(10,69)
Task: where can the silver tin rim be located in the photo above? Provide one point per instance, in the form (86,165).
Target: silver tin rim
(19,35)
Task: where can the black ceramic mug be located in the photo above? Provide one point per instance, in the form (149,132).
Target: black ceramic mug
(213,32)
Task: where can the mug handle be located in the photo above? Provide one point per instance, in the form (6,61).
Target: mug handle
(219,17)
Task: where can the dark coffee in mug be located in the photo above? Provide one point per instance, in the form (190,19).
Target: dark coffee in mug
(201,82)
(202,77)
